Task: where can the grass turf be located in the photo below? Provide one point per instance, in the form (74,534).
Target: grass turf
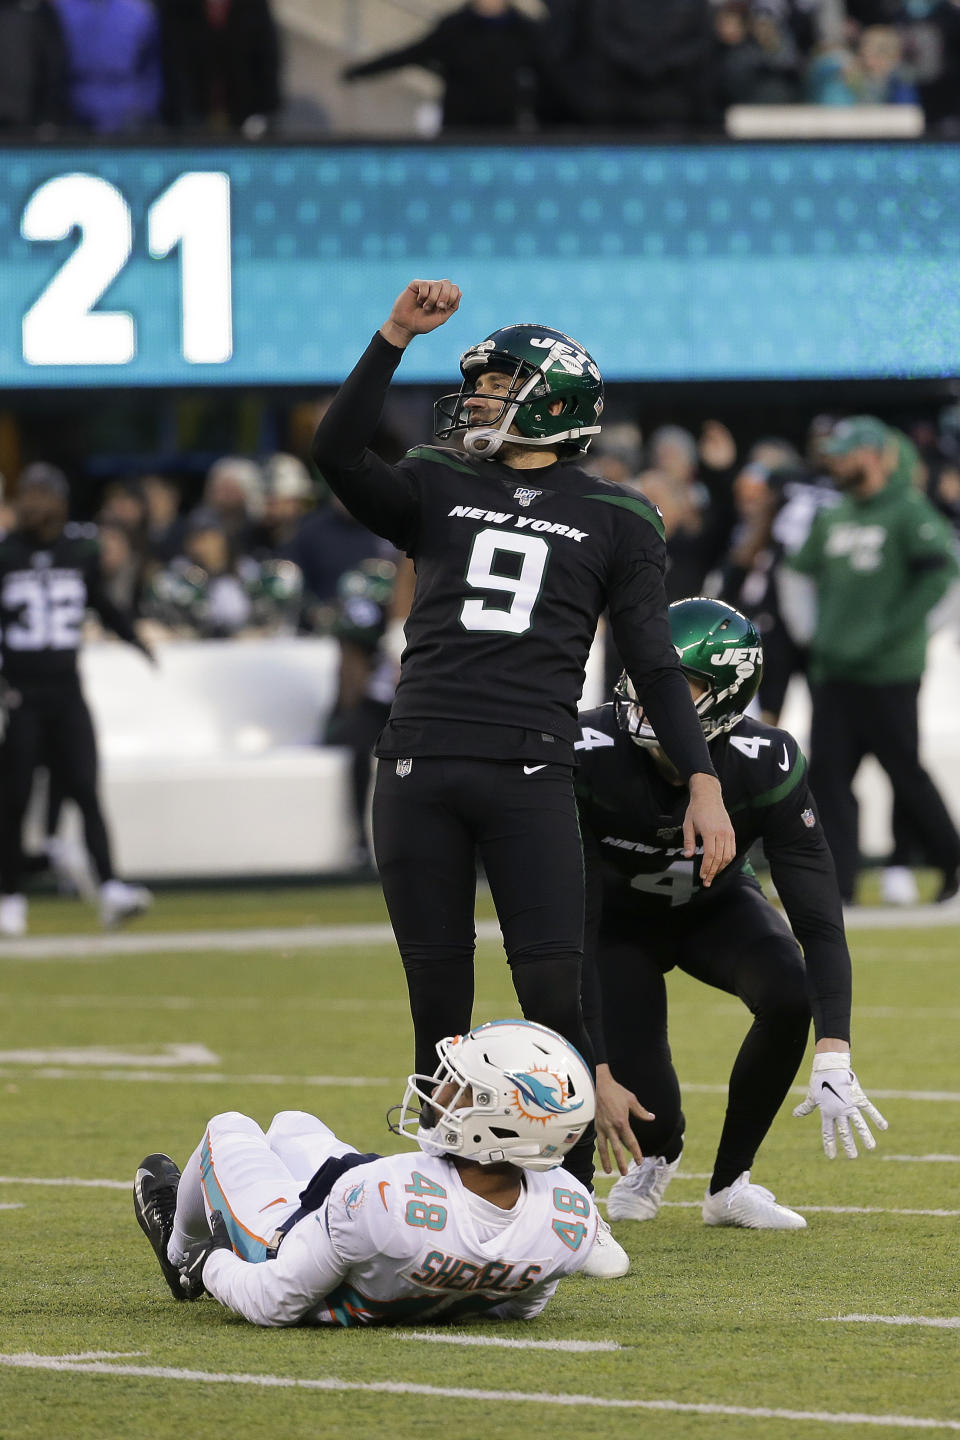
(706,1316)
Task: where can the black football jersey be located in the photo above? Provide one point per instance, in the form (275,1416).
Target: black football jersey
(631,819)
(45,592)
(514,568)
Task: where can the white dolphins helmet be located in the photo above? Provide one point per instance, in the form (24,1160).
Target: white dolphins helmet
(532,1097)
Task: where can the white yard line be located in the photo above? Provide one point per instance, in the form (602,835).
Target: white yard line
(30,1361)
(300,937)
(445,1337)
(67,1181)
(932,1322)
(200,1077)
(924,1159)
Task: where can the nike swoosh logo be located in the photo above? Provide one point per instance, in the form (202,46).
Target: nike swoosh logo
(784,764)
(384,1185)
(827,1086)
(280,1200)
(532,769)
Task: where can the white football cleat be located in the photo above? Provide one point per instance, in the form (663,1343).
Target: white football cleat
(607,1260)
(899,885)
(750,1207)
(638,1195)
(13,915)
(71,867)
(120,901)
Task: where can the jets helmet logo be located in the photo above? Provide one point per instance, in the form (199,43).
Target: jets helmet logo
(541,1094)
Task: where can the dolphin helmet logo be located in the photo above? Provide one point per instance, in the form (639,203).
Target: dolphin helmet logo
(541,1094)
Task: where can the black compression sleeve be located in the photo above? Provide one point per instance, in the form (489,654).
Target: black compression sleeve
(801,868)
(590,998)
(379,495)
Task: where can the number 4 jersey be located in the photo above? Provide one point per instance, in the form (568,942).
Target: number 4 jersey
(45,592)
(401,1238)
(514,568)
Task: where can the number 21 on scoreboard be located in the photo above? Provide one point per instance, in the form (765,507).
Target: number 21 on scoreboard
(63,328)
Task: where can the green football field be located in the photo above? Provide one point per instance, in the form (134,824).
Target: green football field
(111,1048)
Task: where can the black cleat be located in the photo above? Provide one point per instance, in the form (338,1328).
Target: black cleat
(154,1203)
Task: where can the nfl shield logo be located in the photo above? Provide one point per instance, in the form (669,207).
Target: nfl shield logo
(526,497)
(403,768)
(808,818)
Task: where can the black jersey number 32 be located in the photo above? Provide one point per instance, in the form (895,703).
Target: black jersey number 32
(51,608)
(492,556)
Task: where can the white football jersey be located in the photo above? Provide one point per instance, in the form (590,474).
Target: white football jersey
(399,1239)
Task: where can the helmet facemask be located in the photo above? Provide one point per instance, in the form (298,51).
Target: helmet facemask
(554,400)
(721,651)
(530,1098)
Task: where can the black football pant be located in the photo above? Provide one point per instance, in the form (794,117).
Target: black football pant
(50,727)
(739,944)
(429,827)
(848,722)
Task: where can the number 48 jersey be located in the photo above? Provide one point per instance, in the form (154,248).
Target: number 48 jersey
(400,1238)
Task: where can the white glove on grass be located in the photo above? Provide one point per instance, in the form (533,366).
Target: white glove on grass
(836,1091)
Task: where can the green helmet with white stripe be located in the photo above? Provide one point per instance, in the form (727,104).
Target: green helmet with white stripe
(721,650)
(555,398)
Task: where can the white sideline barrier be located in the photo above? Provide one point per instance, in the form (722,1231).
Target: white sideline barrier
(210,767)
(209,761)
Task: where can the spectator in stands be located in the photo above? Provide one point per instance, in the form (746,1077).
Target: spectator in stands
(755,61)
(113,56)
(872,75)
(33,66)
(329,543)
(215,593)
(121,566)
(941,96)
(233,490)
(698,538)
(221,63)
(165,525)
(638,64)
(289,495)
(486,54)
(773,481)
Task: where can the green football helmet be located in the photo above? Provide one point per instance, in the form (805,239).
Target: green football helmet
(719,648)
(544,366)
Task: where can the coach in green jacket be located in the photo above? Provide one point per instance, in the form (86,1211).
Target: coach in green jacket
(881,559)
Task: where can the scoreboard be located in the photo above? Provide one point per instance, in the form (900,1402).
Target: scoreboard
(249,266)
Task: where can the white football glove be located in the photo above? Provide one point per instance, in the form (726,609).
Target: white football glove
(836,1090)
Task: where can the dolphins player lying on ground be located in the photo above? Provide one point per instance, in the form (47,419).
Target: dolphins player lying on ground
(293,1226)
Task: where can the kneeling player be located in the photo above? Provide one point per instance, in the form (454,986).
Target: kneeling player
(294,1227)
(648,912)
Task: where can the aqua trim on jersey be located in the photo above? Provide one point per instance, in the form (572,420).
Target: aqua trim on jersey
(637,507)
(247,1245)
(771,797)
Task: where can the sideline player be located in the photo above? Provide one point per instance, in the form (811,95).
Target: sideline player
(49,577)
(480,1220)
(516,554)
(647,912)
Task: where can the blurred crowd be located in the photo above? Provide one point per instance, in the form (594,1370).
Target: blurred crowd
(148,67)
(642,65)
(138,67)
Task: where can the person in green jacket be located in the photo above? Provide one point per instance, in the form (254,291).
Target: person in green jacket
(881,559)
